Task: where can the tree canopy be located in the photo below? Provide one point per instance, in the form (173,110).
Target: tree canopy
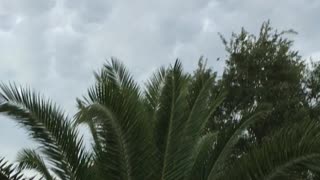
(259,120)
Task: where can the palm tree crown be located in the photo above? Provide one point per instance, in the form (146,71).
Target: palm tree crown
(160,132)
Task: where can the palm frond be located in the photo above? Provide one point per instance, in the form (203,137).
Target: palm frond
(221,157)
(31,160)
(202,105)
(170,122)
(185,107)
(154,89)
(9,172)
(285,155)
(203,149)
(48,125)
(115,108)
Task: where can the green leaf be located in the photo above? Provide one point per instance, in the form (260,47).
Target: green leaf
(30,159)
(224,154)
(114,108)
(48,125)
(285,155)
(8,171)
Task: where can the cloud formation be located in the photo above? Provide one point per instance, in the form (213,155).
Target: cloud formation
(54,45)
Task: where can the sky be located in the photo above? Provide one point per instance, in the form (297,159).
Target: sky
(54,46)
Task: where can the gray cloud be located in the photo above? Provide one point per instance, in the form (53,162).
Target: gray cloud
(54,45)
(7,22)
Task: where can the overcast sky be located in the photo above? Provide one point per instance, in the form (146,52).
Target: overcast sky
(55,45)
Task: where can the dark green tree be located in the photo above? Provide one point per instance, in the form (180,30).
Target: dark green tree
(263,69)
(312,88)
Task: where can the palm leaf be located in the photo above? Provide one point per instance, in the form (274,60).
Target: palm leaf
(285,155)
(30,159)
(221,157)
(9,172)
(203,149)
(115,108)
(47,124)
(170,122)
(202,105)
(154,89)
(184,108)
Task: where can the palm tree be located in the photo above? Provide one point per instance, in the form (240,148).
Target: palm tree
(160,132)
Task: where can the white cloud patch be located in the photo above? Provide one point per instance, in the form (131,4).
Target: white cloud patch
(54,45)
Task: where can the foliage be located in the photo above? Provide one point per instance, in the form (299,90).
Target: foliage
(264,69)
(256,122)
(7,171)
